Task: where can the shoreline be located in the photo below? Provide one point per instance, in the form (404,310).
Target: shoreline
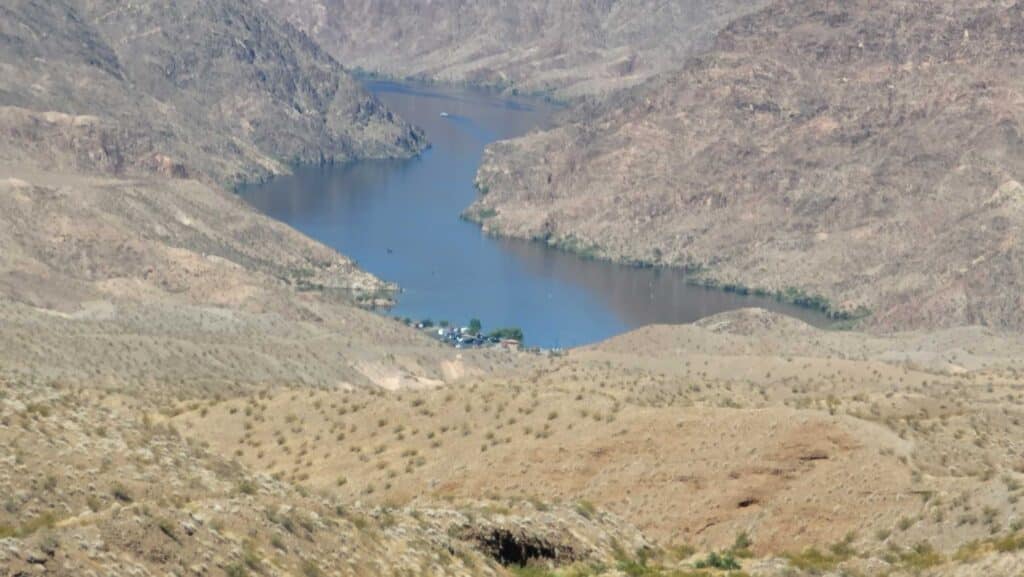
(696,275)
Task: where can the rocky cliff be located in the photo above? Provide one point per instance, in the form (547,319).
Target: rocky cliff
(212,89)
(122,125)
(859,156)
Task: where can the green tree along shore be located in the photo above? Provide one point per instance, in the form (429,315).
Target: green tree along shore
(474,327)
(513,333)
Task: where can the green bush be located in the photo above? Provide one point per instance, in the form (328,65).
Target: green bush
(723,561)
(247,487)
(513,333)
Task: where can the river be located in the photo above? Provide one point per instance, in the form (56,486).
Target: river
(399,219)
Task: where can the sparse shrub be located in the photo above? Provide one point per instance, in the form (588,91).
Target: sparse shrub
(167,528)
(815,561)
(1009,543)
(723,561)
(586,509)
(682,551)
(121,493)
(920,556)
(741,545)
(246,487)
(251,557)
(311,569)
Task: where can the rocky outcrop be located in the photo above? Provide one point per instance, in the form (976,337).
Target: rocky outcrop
(859,156)
(209,89)
(122,126)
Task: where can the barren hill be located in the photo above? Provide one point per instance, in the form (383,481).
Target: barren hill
(864,155)
(214,90)
(122,124)
(792,451)
(885,455)
(571,48)
(188,388)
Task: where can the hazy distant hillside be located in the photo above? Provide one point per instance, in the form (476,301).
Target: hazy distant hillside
(870,152)
(572,47)
(201,88)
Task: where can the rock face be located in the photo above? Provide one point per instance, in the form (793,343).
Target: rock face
(214,88)
(572,47)
(866,152)
(121,126)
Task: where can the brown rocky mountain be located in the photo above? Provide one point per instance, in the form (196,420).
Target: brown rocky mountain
(571,47)
(121,125)
(214,90)
(856,155)
(187,388)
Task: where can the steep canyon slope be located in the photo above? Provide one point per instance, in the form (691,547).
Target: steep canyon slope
(121,127)
(569,48)
(865,155)
(216,90)
(187,388)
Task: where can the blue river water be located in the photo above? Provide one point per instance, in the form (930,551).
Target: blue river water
(399,219)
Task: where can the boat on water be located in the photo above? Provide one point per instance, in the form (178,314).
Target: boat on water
(445,115)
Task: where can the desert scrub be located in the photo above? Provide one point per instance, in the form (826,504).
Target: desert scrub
(247,487)
(121,493)
(920,556)
(586,509)
(814,560)
(577,246)
(44,521)
(311,569)
(723,561)
(167,528)
(1010,543)
(741,545)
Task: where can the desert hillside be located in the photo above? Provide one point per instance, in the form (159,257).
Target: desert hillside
(201,89)
(791,447)
(189,388)
(568,48)
(100,483)
(748,440)
(865,156)
(125,258)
